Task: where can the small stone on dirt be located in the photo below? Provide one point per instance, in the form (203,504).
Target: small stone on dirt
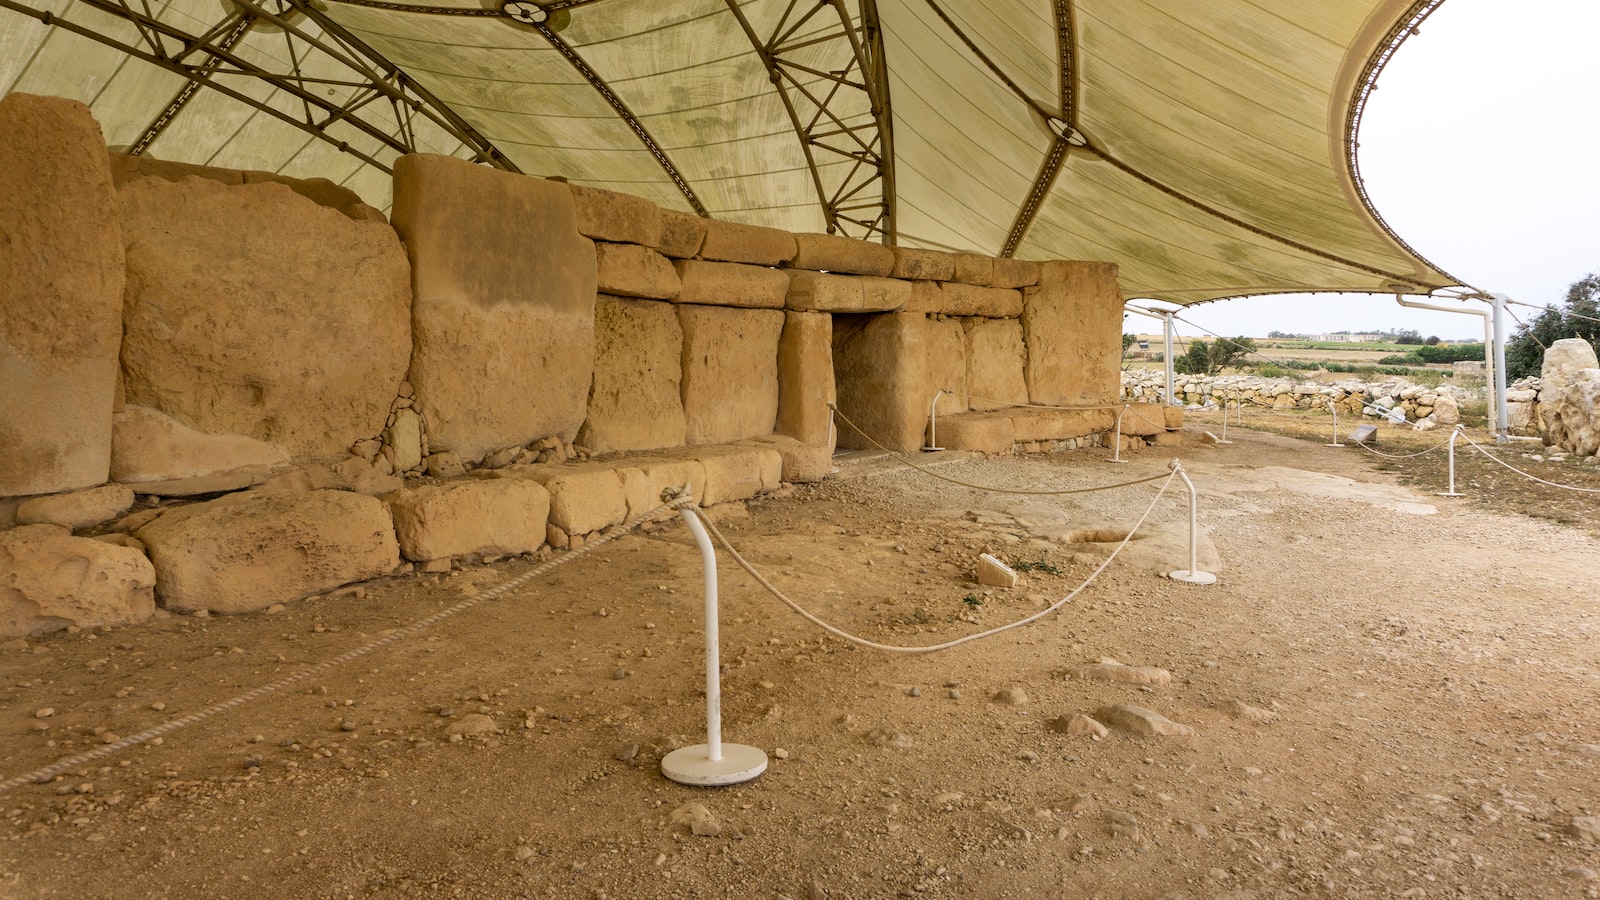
(625,752)
(1141,721)
(1249,713)
(890,737)
(699,820)
(1079,725)
(1108,669)
(1011,696)
(472,724)
(1585,828)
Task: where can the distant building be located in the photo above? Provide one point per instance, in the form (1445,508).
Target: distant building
(1347,337)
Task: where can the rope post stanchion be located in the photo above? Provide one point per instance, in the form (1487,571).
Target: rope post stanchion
(712,763)
(1116,455)
(1454,433)
(1224,438)
(933,412)
(1334,408)
(1192,575)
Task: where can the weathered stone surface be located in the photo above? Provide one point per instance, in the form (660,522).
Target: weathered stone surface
(50,580)
(248,551)
(1060,424)
(1108,669)
(920,265)
(61,287)
(732,242)
(681,234)
(1072,326)
(584,497)
(819,292)
(232,480)
(499,516)
(974,269)
(995,359)
(1142,419)
(802,462)
(1080,725)
(982,433)
(645,479)
(1562,416)
(805,378)
(629,270)
(147,445)
(1014,273)
(994,573)
(1585,828)
(969,300)
(301,347)
(730,284)
(738,472)
(1571,412)
(504,311)
(321,191)
(1141,721)
(404,437)
(635,402)
(78,509)
(832,253)
(1446,410)
(944,364)
(730,372)
(611,216)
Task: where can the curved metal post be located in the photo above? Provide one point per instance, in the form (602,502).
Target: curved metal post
(1116,455)
(933,413)
(1192,575)
(1454,433)
(1334,408)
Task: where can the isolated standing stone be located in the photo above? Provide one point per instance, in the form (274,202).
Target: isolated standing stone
(248,551)
(61,286)
(504,312)
(50,580)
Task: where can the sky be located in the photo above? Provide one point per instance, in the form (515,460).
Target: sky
(1481,149)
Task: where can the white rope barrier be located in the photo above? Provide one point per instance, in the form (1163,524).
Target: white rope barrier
(1363,445)
(932,648)
(46,773)
(1530,477)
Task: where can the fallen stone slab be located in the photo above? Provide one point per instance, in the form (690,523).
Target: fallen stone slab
(78,509)
(1108,669)
(1141,721)
(248,551)
(490,516)
(50,580)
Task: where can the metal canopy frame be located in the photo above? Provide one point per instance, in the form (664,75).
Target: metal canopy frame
(208,61)
(861,204)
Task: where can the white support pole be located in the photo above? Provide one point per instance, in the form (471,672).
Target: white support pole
(1494,365)
(933,412)
(1192,575)
(1116,455)
(712,763)
(1334,408)
(1502,431)
(1454,433)
(1166,355)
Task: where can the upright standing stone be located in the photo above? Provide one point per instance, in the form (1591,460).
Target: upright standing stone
(1563,362)
(636,401)
(885,379)
(1072,326)
(504,310)
(995,358)
(61,281)
(805,377)
(730,372)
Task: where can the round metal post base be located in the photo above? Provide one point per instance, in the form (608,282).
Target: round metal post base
(931,449)
(1189,577)
(1449,493)
(693,766)
(1222,442)
(1333,445)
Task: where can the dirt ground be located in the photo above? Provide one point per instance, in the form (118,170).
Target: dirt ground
(1392,694)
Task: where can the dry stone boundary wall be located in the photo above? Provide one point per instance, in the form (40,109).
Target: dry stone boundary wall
(226,390)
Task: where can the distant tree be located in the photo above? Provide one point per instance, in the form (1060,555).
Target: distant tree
(1209,359)
(1407,336)
(1284,335)
(1432,341)
(1574,318)
(1195,361)
(1127,341)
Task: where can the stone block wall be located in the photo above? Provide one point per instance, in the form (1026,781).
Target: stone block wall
(230,389)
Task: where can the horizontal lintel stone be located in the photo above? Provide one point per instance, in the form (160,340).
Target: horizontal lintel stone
(845,293)
(832,253)
(730,284)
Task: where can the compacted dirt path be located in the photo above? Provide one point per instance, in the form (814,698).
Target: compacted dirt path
(1389,696)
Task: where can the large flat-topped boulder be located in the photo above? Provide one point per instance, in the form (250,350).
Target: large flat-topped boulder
(995,357)
(61,287)
(832,253)
(50,580)
(1059,424)
(248,551)
(923,265)
(611,216)
(470,517)
(819,292)
(148,445)
(504,311)
(755,244)
(636,402)
(629,270)
(253,311)
(730,372)
(1072,326)
(730,284)
(991,433)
